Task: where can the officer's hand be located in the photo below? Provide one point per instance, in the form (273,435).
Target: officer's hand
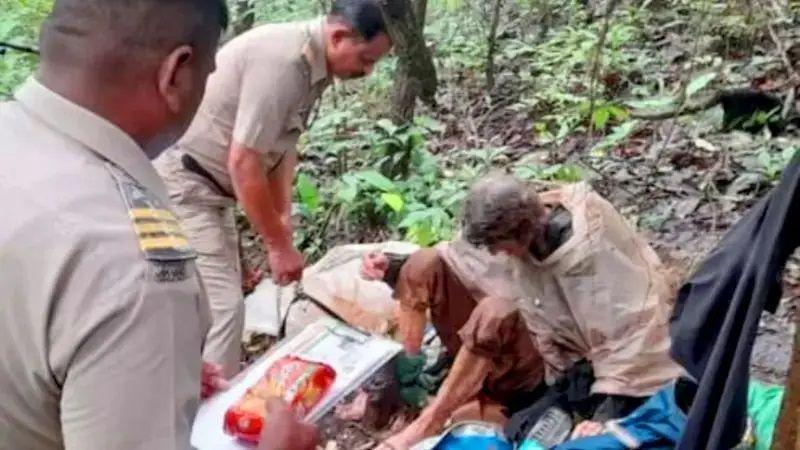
(286,265)
(212,380)
(282,430)
(374,266)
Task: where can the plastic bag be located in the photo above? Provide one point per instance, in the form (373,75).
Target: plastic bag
(764,407)
(300,383)
(468,436)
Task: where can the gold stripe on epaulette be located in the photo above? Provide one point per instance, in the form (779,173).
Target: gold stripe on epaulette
(169,242)
(150,213)
(165,227)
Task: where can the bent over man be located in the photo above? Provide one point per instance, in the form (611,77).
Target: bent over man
(241,147)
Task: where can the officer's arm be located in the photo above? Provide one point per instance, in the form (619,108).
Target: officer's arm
(126,348)
(267,100)
(264,200)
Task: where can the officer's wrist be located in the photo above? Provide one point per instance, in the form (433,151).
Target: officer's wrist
(280,240)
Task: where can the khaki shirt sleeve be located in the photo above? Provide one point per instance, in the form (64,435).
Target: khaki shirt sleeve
(492,326)
(269,97)
(126,347)
(416,282)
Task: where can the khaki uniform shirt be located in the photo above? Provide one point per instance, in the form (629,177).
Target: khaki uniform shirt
(102,316)
(261,95)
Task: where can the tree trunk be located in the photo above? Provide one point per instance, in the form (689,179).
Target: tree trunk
(416,74)
(787,436)
(498,6)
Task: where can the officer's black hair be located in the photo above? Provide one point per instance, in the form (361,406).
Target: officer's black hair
(132,26)
(364,16)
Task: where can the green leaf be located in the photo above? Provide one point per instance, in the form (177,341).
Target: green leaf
(699,83)
(429,123)
(308,192)
(619,134)
(395,201)
(377,180)
(618,112)
(421,235)
(415,218)
(600,117)
(348,190)
(387,126)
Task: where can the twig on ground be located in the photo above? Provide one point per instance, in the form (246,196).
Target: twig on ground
(793,75)
(595,68)
(586,163)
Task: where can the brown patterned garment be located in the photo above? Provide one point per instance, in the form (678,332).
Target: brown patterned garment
(488,327)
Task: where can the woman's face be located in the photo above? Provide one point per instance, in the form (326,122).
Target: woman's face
(511,247)
(519,245)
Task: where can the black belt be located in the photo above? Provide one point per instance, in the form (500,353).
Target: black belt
(191,164)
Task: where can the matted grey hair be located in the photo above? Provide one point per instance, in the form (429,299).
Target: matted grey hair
(497,208)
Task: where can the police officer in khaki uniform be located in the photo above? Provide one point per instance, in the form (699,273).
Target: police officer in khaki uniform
(241,146)
(102,312)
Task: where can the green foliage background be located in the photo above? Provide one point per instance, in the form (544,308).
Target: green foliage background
(19,24)
(363,178)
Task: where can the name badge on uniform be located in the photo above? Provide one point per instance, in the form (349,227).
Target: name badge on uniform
(161,238)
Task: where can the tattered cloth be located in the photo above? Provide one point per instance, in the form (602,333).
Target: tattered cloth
(603,295)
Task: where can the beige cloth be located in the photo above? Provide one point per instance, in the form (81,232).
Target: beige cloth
(261,95)
(603,296)
(102,314)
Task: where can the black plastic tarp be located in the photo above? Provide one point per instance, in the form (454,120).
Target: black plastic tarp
(718,311)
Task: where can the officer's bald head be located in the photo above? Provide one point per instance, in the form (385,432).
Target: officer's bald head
(140,64)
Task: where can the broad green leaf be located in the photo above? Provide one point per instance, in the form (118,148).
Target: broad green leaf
(600,117)
(421,235)
(387,126)
(377,180)
(618,112)
(429,123)
(616,137)
(395,201)
(699,83)
(308,193)
(348,189)
(415,218)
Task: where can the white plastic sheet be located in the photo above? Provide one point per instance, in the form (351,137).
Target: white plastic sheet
(354,356)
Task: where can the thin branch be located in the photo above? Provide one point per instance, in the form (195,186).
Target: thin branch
(19,48)
(598,56)
(782,51)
